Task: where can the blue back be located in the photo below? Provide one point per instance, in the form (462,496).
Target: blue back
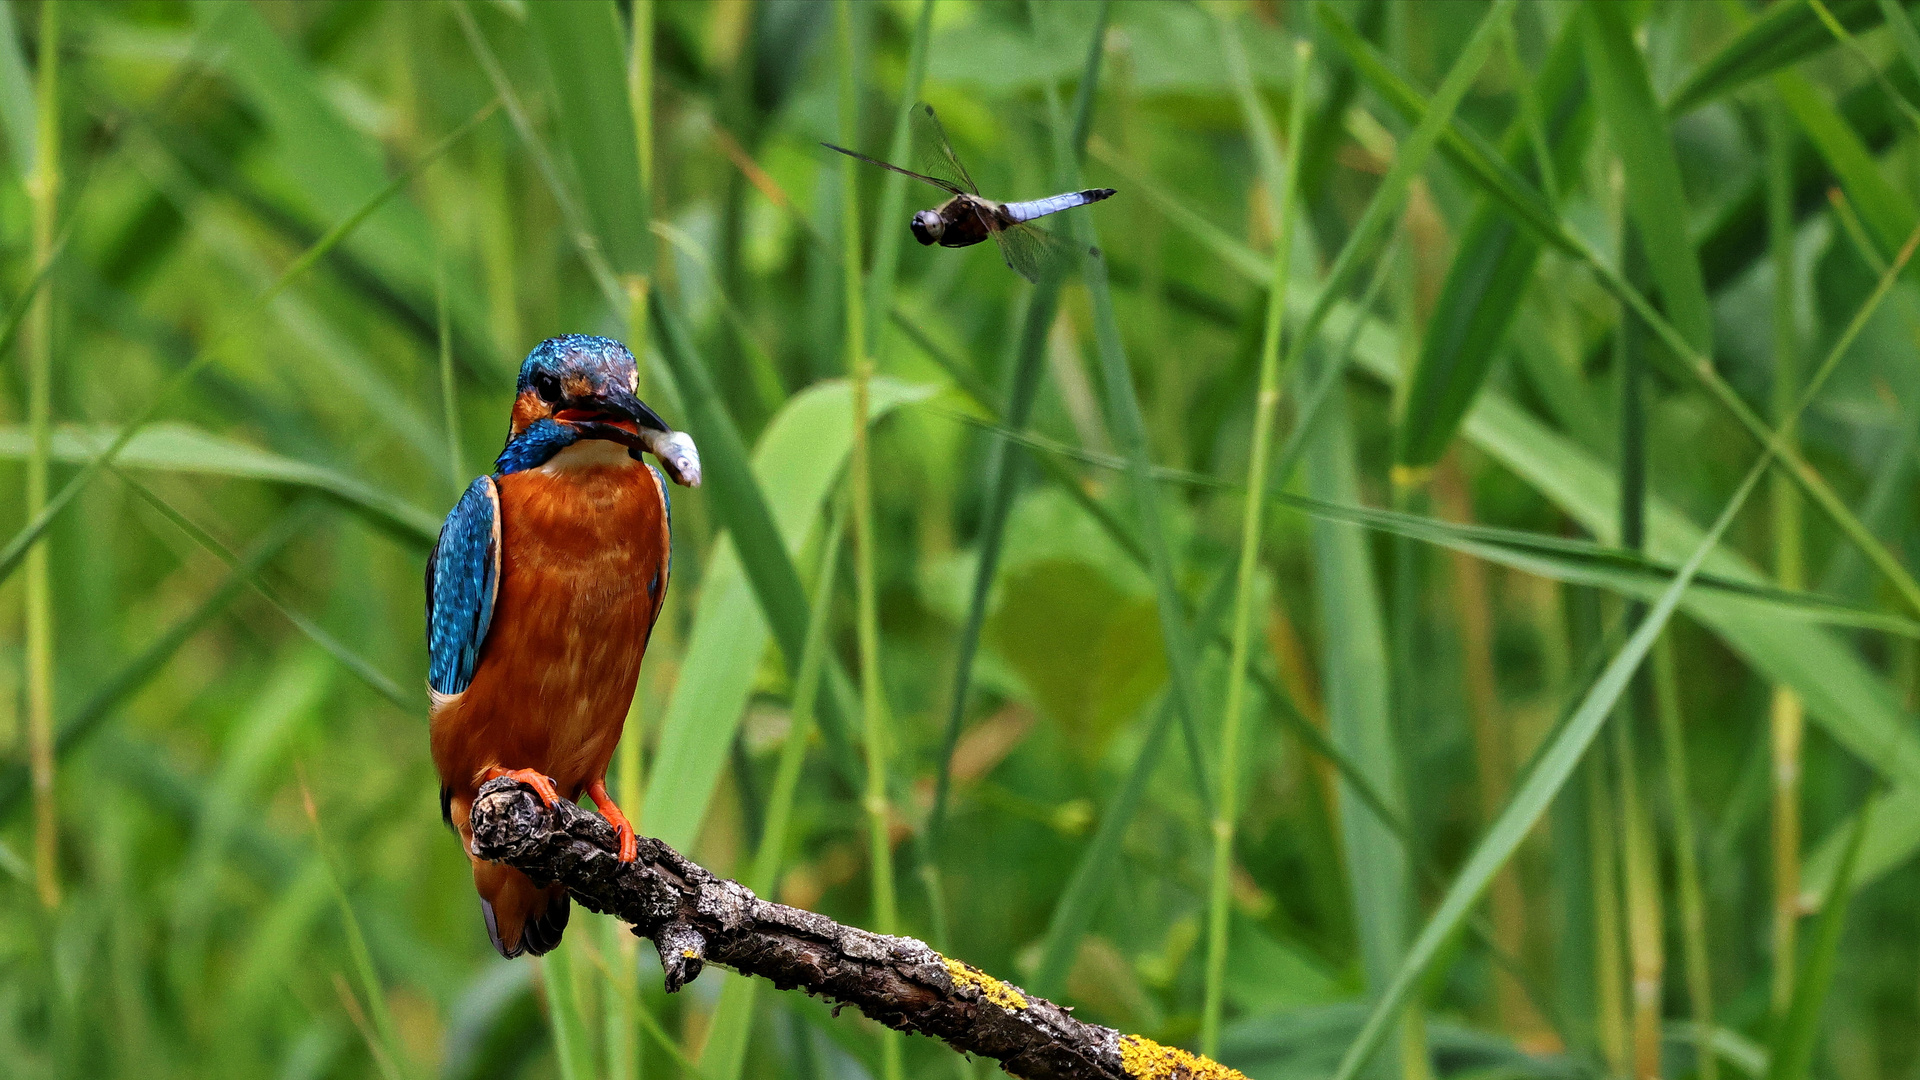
(463,577)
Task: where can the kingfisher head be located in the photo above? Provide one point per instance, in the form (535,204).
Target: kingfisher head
(582,381)
(579,386)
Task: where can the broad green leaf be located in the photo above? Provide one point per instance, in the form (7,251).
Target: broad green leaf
(796,461)
(182,448)
(584,44)
(743,510)
(1655,199)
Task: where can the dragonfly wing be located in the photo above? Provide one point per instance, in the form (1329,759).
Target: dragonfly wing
(1033,252)
(934,154)
(944,185)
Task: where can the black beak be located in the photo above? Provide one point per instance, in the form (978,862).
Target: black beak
(626,404)
(611,404)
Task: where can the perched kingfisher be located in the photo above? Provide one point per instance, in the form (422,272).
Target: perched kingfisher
(541,594)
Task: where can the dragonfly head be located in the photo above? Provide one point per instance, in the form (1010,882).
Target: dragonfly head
(927,226)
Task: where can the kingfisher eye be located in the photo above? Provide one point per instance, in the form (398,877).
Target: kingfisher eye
(547,386)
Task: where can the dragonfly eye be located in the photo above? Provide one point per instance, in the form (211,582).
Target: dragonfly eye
(927,226)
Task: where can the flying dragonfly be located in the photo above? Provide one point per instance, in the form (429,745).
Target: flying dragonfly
(967,218)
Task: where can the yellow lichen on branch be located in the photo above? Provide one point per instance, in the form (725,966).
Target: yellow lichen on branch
(1145,1059)
(990,988)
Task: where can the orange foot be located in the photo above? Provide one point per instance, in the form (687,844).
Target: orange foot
(629,846)
(541,783)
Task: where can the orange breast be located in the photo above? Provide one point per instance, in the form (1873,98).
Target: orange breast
(582,571)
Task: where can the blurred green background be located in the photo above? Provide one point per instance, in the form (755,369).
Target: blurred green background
(1553,273)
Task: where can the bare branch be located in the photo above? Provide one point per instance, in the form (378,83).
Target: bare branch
(695,918)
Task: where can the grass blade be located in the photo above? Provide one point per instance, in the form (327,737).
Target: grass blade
(1266,400)
(24,540)
(1129,426)
(726,1045)
(1488,277)
(875,736)
(1787,719)
(893,187)
(1686,858)
(361,667)
(1783,35)
(1563,752)
(1409,160)
(1357,706)
(389,1054)
(571,1046)
(114,691)
(43,189)
(1530,800)
(801,452)
(1655,199)
(1004,465)
(581,42)
(1799,1033)
(742,508)
(1888,213)
(178,448)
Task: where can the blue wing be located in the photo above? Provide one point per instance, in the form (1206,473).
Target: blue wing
(463,576)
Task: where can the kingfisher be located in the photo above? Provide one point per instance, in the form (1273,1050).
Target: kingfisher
(542,592)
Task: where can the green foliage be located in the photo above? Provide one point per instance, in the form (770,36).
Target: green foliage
(294,252)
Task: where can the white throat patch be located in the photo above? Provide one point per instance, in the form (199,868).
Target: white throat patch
(587,454)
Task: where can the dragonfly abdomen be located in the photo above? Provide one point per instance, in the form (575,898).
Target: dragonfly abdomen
(1053,204)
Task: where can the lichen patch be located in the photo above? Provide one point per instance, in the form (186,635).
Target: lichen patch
(1145,1059)
(990,988)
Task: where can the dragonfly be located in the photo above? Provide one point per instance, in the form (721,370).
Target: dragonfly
(967,218)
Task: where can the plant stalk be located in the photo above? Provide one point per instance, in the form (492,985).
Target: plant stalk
(1686,858)
(1266,400)
(873,726)
(1787,718)
(43,189)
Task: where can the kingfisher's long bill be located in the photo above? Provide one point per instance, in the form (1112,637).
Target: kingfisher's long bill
(541,594)
(967,218)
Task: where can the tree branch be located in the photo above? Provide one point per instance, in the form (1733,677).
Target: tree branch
(695,918)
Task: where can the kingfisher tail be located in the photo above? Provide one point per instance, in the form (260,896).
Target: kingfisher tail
(521,916)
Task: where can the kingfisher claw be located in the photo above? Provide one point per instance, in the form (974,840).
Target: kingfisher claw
(541,783)
(629,844)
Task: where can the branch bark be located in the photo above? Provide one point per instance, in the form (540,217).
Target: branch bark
(695,918)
